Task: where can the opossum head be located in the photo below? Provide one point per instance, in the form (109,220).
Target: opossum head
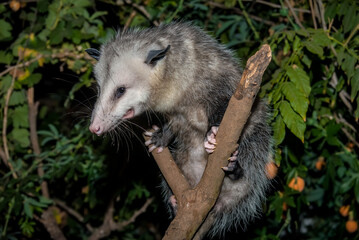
(124,77)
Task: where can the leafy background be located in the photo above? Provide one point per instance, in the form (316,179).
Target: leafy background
(59,180)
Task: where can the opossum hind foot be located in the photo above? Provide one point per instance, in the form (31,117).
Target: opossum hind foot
(233,170)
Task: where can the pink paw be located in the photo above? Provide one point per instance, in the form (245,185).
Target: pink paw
(150,142)
(210,146)
(210,142)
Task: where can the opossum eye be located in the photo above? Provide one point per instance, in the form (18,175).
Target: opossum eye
(119,92)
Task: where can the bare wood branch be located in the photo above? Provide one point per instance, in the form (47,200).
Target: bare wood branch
(61,56)
(170,171)
(4,125)
(143,10)
(33,110)
(49,222)
(73,213)
(313,14)
(129,20)
(321,12)
(110,225)
(344,96)
(294,15)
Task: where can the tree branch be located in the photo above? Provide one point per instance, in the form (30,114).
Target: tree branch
(48,219)
(110,225)
(73,213)
(294,15)
(194,204)
(4,124)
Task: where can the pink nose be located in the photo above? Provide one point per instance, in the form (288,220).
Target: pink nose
(96,129)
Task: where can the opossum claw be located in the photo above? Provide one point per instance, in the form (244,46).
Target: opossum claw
(151,148)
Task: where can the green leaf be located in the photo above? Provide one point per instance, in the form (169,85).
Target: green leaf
(314,47)
(5,83)
(33,79)
(315,195)
(17,97)
(348,65)
(320,38)
(356,113)
(20,116)
(21,136)
(354,82)
(296,43)
(300,79)
(97,14)
(346,186)
(292,120)
(349,18)
(27,209)
(297,99)
(278,130)
(5,30)
(57,35)
(5,58)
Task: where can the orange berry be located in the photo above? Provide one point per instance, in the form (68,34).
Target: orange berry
(351,226)
(14,5)
(320,163)
(271,170)
(344,210)
(297,184)
(285,206)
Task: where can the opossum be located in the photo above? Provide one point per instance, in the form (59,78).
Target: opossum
(179,71)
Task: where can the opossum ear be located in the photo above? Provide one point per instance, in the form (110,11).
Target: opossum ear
(93,53)
(155,55)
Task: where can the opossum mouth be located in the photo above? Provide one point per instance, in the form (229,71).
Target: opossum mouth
(129,114)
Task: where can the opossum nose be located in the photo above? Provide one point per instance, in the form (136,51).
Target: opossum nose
(96,129)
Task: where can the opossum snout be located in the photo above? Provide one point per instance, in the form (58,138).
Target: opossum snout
(96,128)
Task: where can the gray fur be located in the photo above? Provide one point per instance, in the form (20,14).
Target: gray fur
(191,85)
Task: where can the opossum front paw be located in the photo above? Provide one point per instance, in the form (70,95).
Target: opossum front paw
(160,138)
(233,170)
(155,140)
(210,142)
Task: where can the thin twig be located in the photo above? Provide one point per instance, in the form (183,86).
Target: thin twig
(351,35)
(33,110)
(321,12)
(294,15)
(313,14)
(143,10)
(73,212)
(273,5)
(129,20)
(110,225)
(4,125)
(248,19)
(238,11)
(344,96)
(62,55)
